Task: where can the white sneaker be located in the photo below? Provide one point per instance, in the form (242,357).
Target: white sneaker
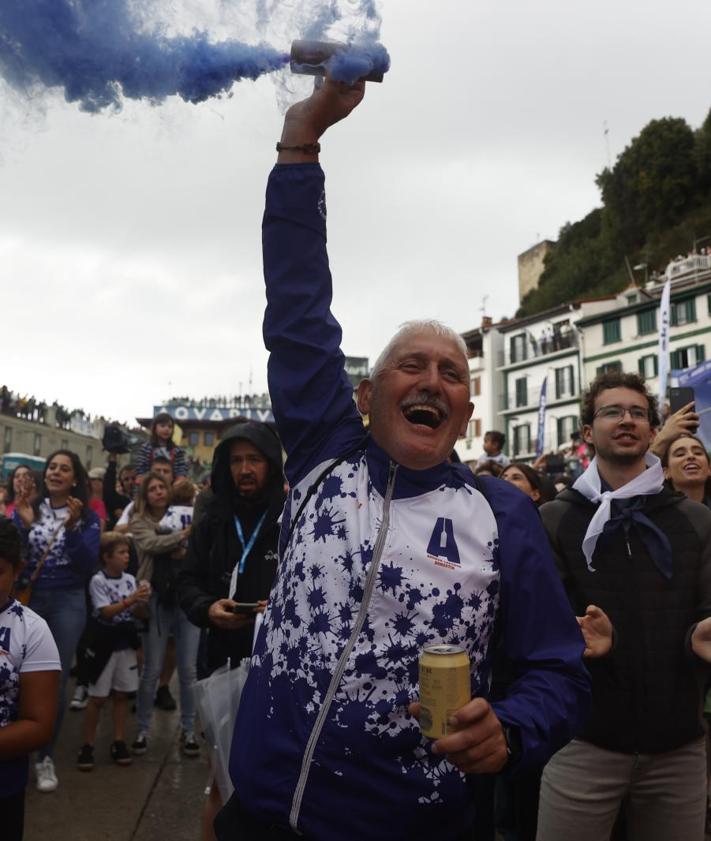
(46,777)
(80,698)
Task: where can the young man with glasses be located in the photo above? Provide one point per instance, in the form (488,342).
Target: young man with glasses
(634,557)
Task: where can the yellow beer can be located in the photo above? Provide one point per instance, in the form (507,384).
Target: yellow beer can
(444,686)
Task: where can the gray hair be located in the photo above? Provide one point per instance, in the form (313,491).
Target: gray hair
(410,328)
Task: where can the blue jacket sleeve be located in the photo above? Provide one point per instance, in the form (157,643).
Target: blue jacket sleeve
(143,458)
(180,463)
(21,527)
(549,698)
(82,545)
(312,398)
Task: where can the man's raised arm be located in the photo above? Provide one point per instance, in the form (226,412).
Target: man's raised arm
(311,395)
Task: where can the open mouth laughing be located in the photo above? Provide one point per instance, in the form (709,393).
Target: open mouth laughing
(431,413)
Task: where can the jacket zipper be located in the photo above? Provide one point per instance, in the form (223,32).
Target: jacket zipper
(345,654)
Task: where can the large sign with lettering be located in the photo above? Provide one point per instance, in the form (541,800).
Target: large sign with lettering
(214,414)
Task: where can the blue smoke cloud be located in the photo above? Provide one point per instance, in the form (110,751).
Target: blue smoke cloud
(94,51)
(357,62)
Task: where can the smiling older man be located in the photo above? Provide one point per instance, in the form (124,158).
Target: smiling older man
(385,548)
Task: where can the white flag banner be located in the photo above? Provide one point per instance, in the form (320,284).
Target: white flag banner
(664,343)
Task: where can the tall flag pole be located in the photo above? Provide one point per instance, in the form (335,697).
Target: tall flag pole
(663,352)
(541,417)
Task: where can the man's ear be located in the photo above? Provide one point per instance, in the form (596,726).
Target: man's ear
(364,394)
(463,430)
(586,432)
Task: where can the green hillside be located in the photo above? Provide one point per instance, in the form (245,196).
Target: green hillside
(656,202)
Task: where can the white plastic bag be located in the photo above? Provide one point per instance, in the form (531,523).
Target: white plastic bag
(217,700)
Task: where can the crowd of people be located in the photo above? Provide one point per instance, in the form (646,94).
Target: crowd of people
(102,571)
(234,401)
(584,610)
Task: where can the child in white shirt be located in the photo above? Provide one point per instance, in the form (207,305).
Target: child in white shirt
(111,652)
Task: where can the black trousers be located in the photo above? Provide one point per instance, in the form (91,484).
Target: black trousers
(12,816)
(233,823)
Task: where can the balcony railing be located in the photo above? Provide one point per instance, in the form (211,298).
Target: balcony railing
(544,345)
(533,395)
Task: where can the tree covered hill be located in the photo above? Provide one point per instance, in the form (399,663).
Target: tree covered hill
(656,203)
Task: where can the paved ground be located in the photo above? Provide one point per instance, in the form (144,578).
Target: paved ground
(159,796)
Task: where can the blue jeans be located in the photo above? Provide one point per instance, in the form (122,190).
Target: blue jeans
(65,613)
(165,621)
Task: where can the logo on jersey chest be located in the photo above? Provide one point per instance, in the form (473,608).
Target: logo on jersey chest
(442,547)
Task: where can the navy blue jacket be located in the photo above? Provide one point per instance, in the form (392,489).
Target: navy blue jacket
(382,561)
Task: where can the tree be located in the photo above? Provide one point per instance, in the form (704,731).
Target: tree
(702,155)
(653,182)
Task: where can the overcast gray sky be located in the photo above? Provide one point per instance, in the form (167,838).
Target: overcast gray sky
(130,257)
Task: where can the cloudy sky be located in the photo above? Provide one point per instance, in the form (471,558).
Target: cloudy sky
(130,262)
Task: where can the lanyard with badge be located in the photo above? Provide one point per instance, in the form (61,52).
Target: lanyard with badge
(246,549)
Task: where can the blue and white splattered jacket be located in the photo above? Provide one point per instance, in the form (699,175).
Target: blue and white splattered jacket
(382,561)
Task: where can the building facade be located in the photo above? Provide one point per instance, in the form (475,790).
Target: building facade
(484,347)
(626,337)
(21,436)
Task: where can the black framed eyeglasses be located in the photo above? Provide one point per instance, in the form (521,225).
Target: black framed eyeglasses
(617,413)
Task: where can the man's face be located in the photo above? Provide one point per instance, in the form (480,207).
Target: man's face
(248,467)
(622,440)
(127,480)
(419,403)
(164,470)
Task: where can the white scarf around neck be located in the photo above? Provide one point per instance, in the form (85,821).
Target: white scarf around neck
(649,482)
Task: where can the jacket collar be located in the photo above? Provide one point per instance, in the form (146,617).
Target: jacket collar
(408,482)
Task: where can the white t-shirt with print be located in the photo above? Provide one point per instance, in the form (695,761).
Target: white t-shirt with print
(26,645)
(105,590)
(176,517)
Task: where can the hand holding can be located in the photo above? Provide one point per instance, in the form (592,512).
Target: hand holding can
(445,686)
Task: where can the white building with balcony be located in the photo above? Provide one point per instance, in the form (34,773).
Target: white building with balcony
(626,337)
(546,345)
(484,345)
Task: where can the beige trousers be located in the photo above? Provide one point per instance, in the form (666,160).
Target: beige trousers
(583,787)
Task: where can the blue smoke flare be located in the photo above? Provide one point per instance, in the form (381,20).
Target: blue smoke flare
(94,51)
(358,62)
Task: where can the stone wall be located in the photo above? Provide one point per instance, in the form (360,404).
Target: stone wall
(530,267)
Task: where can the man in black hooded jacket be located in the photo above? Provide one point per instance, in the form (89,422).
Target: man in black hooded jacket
(232,552)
